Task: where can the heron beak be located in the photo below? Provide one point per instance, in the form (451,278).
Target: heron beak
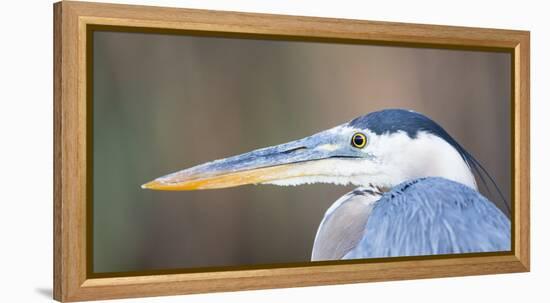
(291,160)
(223,179)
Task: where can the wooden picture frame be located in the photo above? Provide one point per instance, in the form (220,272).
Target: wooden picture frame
(71,130)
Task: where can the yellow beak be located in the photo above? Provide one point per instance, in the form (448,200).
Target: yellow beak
(223,180)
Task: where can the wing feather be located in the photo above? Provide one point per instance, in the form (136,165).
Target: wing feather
(343,225)
(432,216)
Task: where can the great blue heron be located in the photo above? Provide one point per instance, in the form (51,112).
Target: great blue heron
(417,195)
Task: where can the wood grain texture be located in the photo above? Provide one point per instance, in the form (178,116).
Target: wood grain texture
(521,153)
(57,240)
(70,128)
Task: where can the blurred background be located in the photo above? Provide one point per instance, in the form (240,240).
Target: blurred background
(168,102)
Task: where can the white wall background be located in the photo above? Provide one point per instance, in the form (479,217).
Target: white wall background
(26,149)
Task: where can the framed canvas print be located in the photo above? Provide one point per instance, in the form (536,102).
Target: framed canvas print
(201,151)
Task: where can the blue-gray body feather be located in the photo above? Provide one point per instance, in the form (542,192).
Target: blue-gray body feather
(432,216)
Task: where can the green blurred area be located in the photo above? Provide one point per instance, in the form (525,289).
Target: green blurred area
(166,102)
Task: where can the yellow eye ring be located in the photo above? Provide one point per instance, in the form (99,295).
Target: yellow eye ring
(359,140)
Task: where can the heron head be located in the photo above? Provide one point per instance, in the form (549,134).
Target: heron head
(380,149)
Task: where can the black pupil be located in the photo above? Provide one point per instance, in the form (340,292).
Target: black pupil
(358,140)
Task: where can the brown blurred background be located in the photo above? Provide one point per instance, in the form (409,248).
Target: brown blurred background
(166,102)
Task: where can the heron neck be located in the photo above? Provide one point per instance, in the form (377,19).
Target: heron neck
(428,155)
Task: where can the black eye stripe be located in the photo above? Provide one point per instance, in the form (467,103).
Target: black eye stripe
(359,140)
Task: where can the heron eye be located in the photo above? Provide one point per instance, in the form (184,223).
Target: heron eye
(359,140)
